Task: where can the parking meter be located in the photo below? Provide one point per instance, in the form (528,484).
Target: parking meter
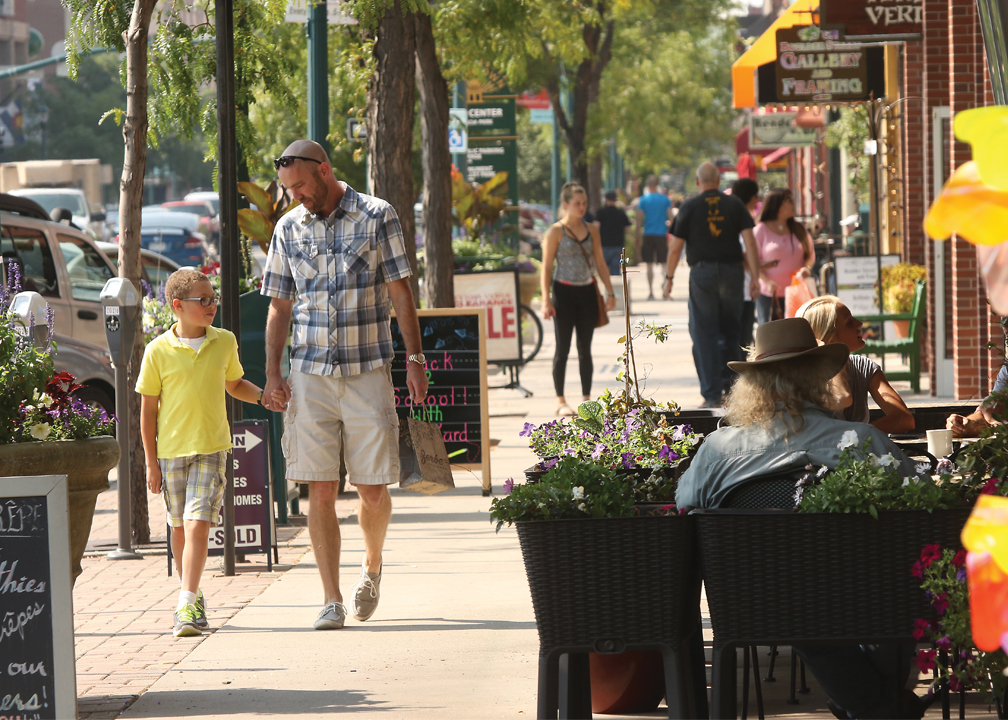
(121,304)
(31,308)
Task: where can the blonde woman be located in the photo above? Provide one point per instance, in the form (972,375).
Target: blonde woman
(572,255)
(832,322)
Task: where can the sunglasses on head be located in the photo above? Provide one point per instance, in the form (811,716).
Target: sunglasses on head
(288,160)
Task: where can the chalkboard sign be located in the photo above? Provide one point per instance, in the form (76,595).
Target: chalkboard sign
(37,671)
(454,343)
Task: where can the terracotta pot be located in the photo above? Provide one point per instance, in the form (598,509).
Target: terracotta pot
(628,683)
(528,284)
(902,328)
(86,463)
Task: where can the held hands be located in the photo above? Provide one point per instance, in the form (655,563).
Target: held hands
(276,394)
(154,478)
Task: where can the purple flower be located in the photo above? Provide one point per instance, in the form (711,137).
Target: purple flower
(550,462)
(597,452)
(667,453)
(508,486)
(628,460)
(678,433)
(943,643)
(527,430)
(570,452)
(961,575)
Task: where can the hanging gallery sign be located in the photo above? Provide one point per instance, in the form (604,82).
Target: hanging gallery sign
(818,65)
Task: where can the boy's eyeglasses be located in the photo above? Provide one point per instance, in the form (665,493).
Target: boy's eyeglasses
(288,160)
(205,301)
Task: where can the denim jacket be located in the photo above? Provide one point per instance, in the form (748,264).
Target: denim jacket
(732,455)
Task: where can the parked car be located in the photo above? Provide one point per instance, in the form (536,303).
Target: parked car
(176,236)
(208,196)
(91,365)
(90,220)
(59,262)
(156,267)
(201,209)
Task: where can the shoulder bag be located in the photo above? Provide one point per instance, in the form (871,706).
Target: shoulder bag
(603,316)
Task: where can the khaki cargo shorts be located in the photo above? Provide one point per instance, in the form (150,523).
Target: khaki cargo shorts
(327,412)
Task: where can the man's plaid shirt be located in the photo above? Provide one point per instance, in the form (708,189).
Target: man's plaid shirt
(335,270)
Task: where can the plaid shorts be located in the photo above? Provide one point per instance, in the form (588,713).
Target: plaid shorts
(193,486)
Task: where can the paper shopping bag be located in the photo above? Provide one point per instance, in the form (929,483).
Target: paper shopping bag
(423,460)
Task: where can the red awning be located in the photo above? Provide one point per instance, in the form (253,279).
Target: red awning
(774,156)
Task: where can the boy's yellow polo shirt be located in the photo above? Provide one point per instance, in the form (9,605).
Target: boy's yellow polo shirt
(192,419)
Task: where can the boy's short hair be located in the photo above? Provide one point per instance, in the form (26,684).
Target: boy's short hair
(180,284)
(745,189)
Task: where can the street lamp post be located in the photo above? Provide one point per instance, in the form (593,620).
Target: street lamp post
(43,120)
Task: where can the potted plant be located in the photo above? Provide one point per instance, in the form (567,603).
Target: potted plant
(837,570)
(606,579)
(45,429)
(899,283)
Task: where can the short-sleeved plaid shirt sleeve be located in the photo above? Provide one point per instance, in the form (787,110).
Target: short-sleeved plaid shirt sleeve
(392,261)
(278,280)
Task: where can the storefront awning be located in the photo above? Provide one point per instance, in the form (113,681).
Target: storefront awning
(764,50)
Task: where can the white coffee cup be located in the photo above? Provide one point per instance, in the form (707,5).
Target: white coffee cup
(939,443)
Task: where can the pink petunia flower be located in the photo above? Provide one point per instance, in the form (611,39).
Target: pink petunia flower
(960,558)
(917,570)
(940,603)
(926,660)
(921,627)
(930,553)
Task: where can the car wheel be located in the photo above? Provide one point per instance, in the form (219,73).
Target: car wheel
(96,396)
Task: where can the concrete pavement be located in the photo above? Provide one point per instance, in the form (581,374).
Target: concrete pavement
(454,635)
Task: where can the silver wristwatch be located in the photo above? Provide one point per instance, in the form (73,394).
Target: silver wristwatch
(418,358)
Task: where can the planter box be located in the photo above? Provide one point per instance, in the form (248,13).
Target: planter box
(784,578)
(612,584)
(86,463)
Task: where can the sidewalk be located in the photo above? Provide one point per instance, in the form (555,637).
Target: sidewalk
(454,635)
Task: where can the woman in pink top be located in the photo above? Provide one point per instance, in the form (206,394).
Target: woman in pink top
(784,249)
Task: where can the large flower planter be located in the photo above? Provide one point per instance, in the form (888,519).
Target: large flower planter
(608,585)
(781,578)
(86,463)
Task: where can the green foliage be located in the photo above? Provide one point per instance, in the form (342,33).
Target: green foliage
(666,97)
(24,371)
(865,483)
(182,63)
(614,434)
(850,132)
(535,156)
(944,578)
(987,458)
(899,284)
(570,489)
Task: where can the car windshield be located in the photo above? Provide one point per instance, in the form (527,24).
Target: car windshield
(52,200)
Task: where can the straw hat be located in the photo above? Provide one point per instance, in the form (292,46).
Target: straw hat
(792,338)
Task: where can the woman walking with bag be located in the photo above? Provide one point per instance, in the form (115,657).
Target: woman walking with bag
(784,249)
(574,248)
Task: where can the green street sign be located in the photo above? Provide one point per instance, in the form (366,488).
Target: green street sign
(493,117)
(486,159)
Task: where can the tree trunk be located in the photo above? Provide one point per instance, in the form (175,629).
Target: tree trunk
(390,113)
(594,187)
(439,277)
(130,202)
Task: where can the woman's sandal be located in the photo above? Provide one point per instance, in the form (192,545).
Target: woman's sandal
(564,410)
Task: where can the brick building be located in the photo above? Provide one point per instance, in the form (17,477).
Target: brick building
(934,68)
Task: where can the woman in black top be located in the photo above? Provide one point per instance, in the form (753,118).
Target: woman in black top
(573,246)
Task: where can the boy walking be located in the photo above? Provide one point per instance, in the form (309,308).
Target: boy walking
(183,422)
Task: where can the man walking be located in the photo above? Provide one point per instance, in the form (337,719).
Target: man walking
(709,224)
(335,262)
(613,222)
(654,214)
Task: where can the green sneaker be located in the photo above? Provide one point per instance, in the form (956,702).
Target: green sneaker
(201,618)
(185,622)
